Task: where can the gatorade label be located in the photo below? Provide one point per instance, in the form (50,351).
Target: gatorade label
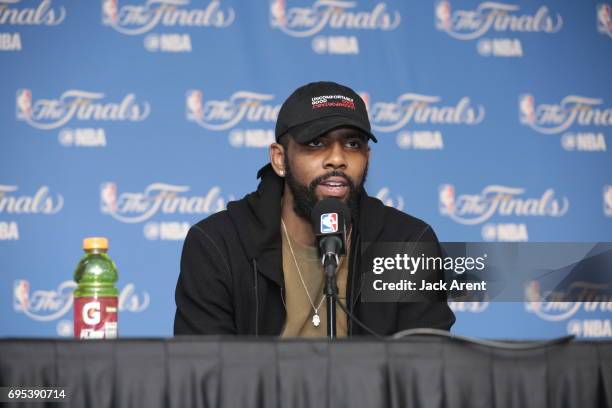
(95,318)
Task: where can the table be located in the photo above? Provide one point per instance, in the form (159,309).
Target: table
(263,372)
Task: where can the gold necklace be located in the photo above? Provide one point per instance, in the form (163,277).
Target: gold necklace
(316,320)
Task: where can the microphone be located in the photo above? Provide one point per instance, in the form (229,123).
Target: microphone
(328,218)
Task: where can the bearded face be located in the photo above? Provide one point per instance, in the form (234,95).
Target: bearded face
(334,165)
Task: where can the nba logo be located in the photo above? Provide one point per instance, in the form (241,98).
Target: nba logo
(110,12)
(24,104)
(193,104)
(443,15)
(21,295)
(607,201)
(329,223)
(533,297)
(446,196)
(604,19)
(108,198)
(527,108)
(277,13)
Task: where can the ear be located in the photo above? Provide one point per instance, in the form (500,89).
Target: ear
(277,158)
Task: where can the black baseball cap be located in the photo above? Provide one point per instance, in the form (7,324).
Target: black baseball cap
(318,107)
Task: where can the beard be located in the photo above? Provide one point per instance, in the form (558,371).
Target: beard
(305,198)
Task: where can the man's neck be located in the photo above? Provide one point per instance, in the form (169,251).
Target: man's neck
(298,228)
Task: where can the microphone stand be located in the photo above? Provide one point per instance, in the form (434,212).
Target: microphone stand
(330,264)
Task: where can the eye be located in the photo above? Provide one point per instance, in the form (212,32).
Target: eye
(354,143)
(316,143)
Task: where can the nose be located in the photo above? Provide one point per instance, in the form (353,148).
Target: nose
(336,157)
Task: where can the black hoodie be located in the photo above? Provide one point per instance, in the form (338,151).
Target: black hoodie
(231,279)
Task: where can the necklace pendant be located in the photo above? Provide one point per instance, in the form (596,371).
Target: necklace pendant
(316,321)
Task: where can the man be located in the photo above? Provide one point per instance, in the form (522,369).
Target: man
(254,269)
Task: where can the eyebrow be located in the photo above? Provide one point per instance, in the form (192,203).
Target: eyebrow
(353,134)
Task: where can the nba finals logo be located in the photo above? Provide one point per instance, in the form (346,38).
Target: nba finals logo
(307,21)
(472,209)
(490,22)
(329,223)
(158,198)
(44,13)
(555,118)
(536,302)
(193,104)
(496,17)
(446,199)
(108,198)
(527,109)
(136,19)
(45,305)
(318,18)
(24,104)
(42,305)
(39,202)
(410,107)
(225,114)
(604,19)
(79,105)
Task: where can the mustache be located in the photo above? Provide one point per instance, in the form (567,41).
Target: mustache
(336,173)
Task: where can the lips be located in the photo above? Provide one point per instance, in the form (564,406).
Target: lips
(334,187)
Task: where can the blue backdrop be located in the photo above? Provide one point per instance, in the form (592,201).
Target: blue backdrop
(135,119)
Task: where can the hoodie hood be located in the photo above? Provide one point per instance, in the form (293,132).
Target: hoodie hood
(257,220)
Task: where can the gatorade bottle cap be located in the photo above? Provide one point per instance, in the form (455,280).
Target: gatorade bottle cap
(95,243)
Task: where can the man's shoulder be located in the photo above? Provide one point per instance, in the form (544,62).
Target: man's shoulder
(215,224)
(400,226)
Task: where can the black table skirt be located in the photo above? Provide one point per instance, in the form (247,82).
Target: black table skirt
(234,372)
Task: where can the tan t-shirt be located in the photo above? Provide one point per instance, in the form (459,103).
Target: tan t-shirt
(299,309)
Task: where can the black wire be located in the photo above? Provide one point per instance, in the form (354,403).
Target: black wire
(507,345)
(353,318)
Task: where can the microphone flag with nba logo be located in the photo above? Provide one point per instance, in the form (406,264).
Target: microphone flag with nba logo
(328,219)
